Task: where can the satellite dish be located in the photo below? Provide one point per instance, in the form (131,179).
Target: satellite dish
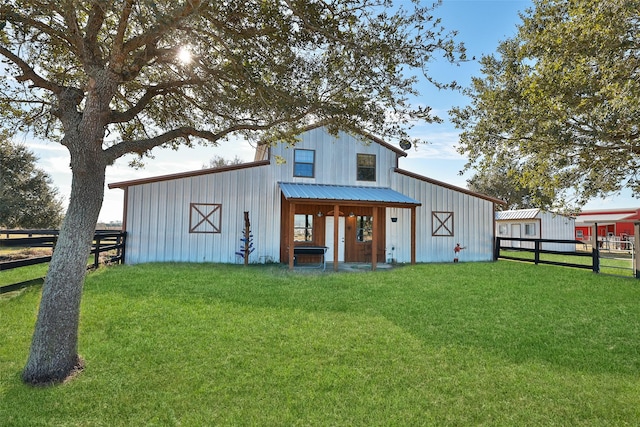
(405,145)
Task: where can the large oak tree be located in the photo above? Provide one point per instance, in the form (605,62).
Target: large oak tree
(109,77)
(562,100)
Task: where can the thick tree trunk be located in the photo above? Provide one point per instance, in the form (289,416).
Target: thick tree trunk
(54,349)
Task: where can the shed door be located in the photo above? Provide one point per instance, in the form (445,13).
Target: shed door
(515,232)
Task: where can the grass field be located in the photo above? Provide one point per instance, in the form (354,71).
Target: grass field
(21,274)
(502,343)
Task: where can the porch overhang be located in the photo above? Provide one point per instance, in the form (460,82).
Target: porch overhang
(350,194)
(377,198)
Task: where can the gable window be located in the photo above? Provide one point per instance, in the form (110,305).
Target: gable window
(366,167)
(303,228)
(304,163)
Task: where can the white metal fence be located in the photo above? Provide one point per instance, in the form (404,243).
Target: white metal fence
(617,255)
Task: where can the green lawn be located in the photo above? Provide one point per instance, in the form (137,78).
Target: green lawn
(501,343)
(30,272)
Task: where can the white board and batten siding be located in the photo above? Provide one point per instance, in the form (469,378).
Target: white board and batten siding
(472,217)
(460,217)
(158,214)
(536,224)
(336,159)
(158,217)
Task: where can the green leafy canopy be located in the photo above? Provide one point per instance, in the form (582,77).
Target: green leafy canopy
(561,99)
(265,68)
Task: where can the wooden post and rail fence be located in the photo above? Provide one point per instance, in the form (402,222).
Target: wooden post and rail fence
(535,246)
(111,243)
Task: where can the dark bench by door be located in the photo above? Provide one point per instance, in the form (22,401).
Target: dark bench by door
(312,250)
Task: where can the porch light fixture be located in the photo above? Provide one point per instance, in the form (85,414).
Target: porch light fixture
(351,214)
(319,214)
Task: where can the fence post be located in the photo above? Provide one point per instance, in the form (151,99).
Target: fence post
(119,250)
(636,242)
(537,251)
(96,256)
(124,245)
(595,259)
(496,250)
(595,250)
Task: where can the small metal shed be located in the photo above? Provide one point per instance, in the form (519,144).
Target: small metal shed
(535,224)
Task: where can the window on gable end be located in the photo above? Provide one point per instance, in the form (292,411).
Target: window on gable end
(304,163)
(366,167)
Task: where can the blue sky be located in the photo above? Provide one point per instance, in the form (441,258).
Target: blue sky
(481,25)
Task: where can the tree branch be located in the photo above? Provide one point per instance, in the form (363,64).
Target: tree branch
(163,28)
(32,23)
(90,48)
(152,92)
(142,146)
(117,55)
(29,74)
(71,20)
(147,41)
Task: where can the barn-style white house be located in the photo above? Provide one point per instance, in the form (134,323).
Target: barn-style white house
(345,193)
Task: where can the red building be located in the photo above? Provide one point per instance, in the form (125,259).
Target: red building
(612,223)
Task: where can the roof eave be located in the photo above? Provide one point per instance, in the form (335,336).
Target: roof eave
(449,186)
(190,174)
(351,202)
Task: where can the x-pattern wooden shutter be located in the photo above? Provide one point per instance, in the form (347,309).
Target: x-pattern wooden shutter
(442,223)
(205,217)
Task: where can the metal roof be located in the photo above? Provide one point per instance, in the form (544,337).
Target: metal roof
(604,218)
(350,193)
(517,214)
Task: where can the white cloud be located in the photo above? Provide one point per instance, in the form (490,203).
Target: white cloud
(43,147)
(439,145)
